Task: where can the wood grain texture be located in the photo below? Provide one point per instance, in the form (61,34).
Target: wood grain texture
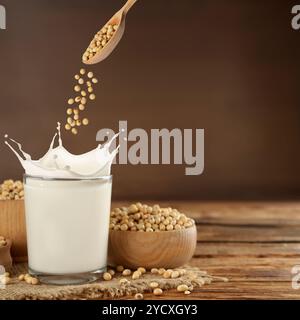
(235,212)
(237,249)
(12,226)
(165,249)
(5,257)
(251,234)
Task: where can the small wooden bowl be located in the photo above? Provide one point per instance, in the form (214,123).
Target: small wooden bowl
(5,257)
(165,249)
(12,226)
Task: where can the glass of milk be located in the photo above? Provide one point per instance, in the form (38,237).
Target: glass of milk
(67,222)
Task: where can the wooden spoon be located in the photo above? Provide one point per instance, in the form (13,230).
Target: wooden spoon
(118,19)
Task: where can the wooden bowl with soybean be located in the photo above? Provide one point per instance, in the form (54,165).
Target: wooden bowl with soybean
(12,226)
(162,249)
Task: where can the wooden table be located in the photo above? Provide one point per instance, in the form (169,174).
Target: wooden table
(254,244)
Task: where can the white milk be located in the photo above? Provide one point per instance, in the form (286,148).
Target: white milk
(67,202)
(67,225)
(60,163)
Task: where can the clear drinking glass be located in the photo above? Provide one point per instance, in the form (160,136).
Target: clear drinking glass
(67,224)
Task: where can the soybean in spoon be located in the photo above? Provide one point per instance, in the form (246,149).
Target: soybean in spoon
(106,40)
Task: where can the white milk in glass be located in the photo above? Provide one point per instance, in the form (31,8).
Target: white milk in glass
(67,206)
(67,225)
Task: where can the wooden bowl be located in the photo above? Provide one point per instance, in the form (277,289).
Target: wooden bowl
(12,226)
(164,249)
(5,257)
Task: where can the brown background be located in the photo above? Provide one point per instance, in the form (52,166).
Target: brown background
(230,67)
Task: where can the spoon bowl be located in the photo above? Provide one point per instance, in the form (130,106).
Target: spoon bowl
(119,20)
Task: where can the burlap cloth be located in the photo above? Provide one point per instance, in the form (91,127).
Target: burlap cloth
(20,290)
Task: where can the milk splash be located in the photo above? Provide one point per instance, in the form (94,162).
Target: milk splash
(61,164)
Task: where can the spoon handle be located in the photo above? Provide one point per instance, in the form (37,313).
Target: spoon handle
(128,5)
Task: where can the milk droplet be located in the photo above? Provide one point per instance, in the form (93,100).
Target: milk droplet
(59,133)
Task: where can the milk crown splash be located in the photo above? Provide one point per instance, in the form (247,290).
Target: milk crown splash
(60,163)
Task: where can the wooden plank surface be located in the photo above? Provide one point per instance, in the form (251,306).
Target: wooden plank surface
(236,213)
(250,234)
(254,244)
